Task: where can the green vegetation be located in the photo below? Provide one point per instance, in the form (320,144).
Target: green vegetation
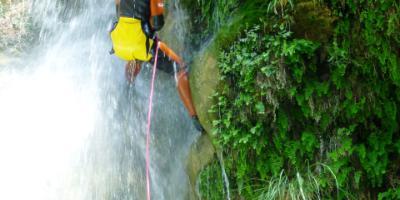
(308,101)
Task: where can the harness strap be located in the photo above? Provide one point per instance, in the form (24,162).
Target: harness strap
(149,34)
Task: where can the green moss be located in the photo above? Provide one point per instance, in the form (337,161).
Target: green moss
(313,21)
(306,83)
(248,14)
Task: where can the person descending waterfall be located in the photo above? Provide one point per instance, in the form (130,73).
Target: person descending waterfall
(135,41)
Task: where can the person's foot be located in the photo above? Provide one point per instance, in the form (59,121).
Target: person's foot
(197,124)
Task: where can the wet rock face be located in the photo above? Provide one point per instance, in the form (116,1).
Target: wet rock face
(13,23)
(313,21)
(201,154)
(19,19)
(204,78)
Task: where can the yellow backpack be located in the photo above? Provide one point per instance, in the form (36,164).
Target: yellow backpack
(129,41)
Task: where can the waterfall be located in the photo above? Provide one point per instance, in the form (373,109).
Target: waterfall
(71,128)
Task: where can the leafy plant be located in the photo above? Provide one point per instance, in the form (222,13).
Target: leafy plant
(287,102)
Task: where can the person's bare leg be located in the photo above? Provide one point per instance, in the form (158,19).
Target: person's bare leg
(183,85)
(184,92)
(170,53)
(186,97)
(132,69)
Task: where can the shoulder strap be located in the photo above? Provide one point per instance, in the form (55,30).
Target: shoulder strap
(149,32)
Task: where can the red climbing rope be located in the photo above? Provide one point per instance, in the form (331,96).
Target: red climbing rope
(149,125)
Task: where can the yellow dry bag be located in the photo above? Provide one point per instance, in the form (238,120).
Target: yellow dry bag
(129,41)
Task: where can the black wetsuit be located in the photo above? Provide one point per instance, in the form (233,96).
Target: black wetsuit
(139,9)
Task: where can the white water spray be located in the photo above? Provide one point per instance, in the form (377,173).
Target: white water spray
(70,126)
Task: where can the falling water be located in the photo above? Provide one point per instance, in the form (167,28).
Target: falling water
(71,128)
(224,175)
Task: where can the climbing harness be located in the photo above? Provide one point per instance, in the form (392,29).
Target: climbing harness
(149,123)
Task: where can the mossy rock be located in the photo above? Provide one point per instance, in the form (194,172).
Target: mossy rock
(204,79)
(201,154)
(313,21)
